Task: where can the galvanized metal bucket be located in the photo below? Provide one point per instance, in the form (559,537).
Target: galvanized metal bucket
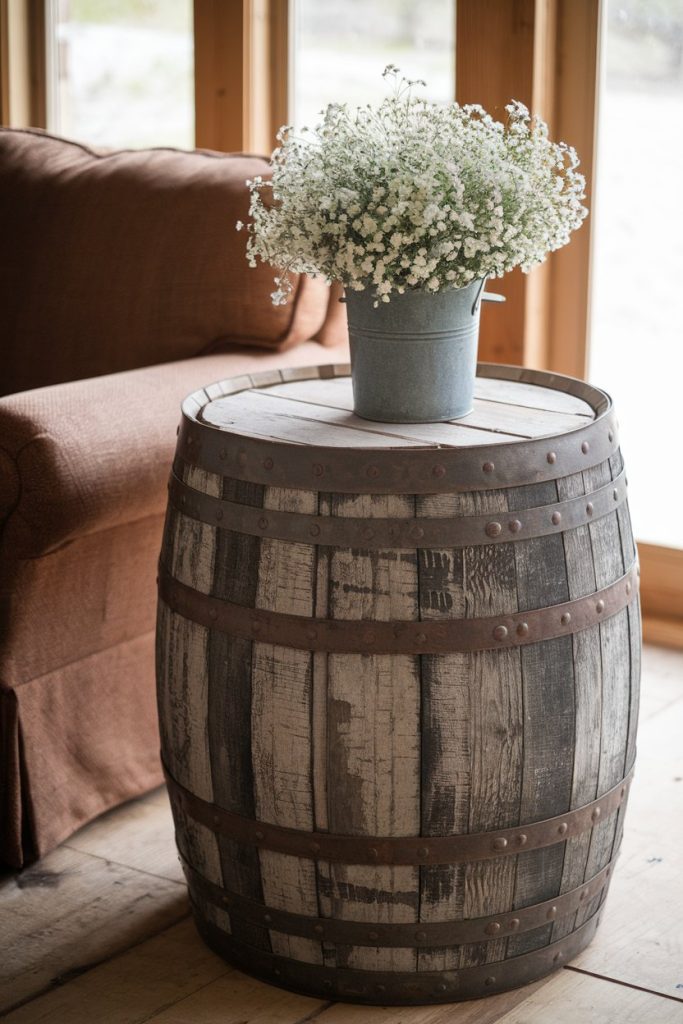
(414,359)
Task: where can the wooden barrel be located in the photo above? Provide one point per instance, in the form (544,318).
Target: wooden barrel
(398,673)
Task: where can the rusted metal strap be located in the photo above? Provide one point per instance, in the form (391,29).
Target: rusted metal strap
(373,534)
(396,470)
(412,850)
(377,933)
(443,636)
(400,987)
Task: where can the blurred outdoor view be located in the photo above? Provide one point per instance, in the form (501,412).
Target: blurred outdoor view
(123,72)
(341,47)
(637,318)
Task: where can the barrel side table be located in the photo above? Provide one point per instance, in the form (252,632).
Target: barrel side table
(398,671)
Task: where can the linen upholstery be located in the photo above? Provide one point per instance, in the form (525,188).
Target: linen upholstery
(83,473)
(111,261)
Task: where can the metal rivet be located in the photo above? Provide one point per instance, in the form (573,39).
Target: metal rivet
(584,447)
(267,918)
(493,529)
(565,618)
(556,518)
(241,457)
(268,463)
(439,471)
(514,526)
(557,958)
(314,530)
(381,988)
(318,929)
(423,852)
(421,638)
(596,814)
(490,980)
(514,924)
(373,853)
(368,533)
(493,928)
(373,936)
(615,494)
(318,469)
(500,843)
(263,523)
(589,508)
(600,606)
(562,829)
(442,987)
(421,936)
(277,972)
(417,532)
(521,839)
(258,834)
(500,632)
(315,847)
(551,913)
(372,471)
(488,467)
(522,629)
(213,614)
(551,457)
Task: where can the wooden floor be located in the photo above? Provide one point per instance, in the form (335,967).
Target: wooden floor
(99,933)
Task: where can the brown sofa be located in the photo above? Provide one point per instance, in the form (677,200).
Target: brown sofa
(125,269)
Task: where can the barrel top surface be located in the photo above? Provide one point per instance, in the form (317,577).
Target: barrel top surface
(319,410)
(296,428)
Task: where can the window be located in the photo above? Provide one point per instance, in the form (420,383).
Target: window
(341,47)
(636,350)
(120,72)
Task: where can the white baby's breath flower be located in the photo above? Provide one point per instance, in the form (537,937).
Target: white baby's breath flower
(413,195)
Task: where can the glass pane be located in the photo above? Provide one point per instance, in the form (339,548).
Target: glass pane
(341,48)
(122,72)
(636,337)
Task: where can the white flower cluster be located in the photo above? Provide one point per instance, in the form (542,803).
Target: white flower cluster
(413,195)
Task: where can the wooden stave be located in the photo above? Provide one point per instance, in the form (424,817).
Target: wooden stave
(473,953)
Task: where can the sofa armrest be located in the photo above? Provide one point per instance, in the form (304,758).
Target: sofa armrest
(84,456)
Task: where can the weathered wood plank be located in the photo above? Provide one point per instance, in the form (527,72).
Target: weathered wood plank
(373,771)
(496,729)
(616,671)
(235,578)
(548,695)
(281,680)
(72,910)
(587,698)
(446,760)
(183,683)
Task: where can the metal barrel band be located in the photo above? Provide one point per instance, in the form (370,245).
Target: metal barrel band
(410,850)
(396,470)
(376,534)
(352,636)
(400,987)
(420,934)
(386,471)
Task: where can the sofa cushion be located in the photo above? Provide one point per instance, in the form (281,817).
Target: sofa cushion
(111,261)
(81,457)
